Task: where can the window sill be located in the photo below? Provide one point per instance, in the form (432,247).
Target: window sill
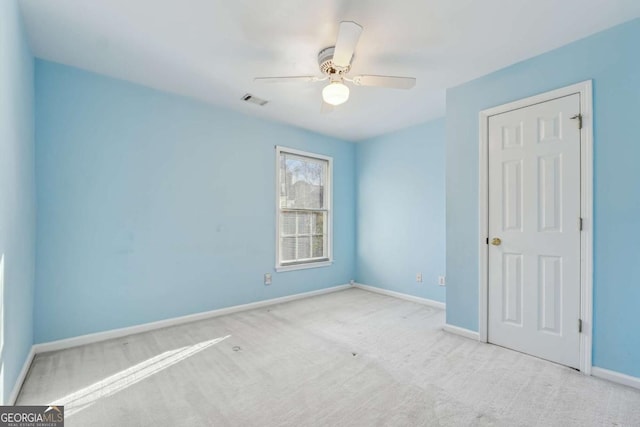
(304,266)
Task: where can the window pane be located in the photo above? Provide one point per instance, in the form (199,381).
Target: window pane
(304,222)
(318,246)
(288,248)
(318,222)
(304,247)
(302,182)
(283,182)
(288,221)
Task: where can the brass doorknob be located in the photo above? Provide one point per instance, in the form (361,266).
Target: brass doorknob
(496,241)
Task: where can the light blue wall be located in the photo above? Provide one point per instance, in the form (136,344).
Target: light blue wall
(401,215)
(152,205)
(17,197)
(611,59)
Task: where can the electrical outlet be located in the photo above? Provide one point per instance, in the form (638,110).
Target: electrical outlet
(441,281)
(352,282)
(418,277)
(267,278)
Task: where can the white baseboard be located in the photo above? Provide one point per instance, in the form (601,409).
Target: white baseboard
(616,377)
(122,332)
(21,377)
(419,300)
(461,331)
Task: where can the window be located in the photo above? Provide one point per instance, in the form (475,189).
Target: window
(303,221)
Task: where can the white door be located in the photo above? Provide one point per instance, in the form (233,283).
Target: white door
(534,212)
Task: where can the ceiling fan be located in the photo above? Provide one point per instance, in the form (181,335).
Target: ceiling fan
(335,64)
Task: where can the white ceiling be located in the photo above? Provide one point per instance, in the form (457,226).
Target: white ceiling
(212,49)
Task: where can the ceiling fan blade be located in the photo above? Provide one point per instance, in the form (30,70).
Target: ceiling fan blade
(385,81)
(289,79)
(346,43)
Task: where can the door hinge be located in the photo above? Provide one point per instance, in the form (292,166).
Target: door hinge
(580,223)
(579,326)
(579,118)
(487,240)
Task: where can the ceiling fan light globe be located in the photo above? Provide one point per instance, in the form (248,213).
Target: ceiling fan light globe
(335,93)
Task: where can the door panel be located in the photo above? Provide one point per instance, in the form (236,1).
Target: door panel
(550,193)
(512,289)
(534,209)
(512,195)
(550,294)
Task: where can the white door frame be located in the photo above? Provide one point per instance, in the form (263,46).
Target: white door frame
(586,210)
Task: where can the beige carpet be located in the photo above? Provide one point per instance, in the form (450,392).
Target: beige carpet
(352,358)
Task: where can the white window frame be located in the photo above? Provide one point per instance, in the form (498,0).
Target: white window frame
(328,188)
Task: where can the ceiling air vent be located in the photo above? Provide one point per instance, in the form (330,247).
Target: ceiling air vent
(253,99)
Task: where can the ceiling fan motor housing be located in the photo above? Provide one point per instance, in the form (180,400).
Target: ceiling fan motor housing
(325,61)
